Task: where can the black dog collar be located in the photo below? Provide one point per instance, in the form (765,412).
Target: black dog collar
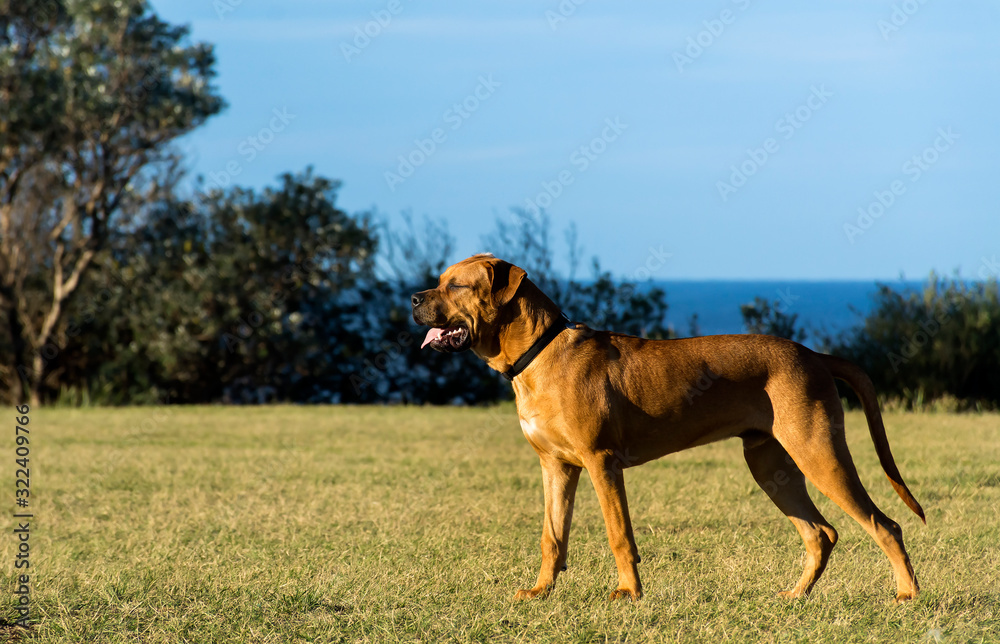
(550,334)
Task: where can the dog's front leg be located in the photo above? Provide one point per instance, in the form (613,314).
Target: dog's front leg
(609,481)
(559,481)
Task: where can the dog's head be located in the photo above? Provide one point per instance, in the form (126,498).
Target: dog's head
(464,307)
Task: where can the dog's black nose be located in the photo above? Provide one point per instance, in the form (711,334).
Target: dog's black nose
(417,299)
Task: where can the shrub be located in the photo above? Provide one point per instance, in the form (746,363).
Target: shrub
(926,348)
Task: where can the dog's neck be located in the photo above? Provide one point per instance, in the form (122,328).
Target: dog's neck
(525,319)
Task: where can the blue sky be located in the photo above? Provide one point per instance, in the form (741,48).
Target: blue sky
(744,139)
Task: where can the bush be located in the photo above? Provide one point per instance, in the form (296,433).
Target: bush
(937,347)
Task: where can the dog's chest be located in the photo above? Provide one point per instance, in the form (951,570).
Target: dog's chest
(546,439)
(531,430)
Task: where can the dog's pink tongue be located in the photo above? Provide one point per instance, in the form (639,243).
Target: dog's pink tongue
(431,335)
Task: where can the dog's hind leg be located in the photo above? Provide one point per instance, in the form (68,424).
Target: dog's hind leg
(776,474)
(815,439)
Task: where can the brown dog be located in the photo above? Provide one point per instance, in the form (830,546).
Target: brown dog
(605,401)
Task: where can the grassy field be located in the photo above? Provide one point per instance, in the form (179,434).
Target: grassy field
(368,524)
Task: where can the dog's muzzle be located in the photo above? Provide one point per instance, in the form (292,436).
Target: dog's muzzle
(448,339)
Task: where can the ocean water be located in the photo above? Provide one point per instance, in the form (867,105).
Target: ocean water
(822,307)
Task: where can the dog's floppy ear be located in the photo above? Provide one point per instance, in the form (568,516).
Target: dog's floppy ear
(504,280)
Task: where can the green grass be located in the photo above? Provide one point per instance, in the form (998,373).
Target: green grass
(374,524)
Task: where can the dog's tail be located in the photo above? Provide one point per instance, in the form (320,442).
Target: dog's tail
(863,387)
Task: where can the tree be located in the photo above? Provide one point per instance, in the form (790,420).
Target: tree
(93,95)
(235,295)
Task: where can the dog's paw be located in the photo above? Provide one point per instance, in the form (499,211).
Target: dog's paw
(532,593)
(905,597)
(793,594)
(625,593)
